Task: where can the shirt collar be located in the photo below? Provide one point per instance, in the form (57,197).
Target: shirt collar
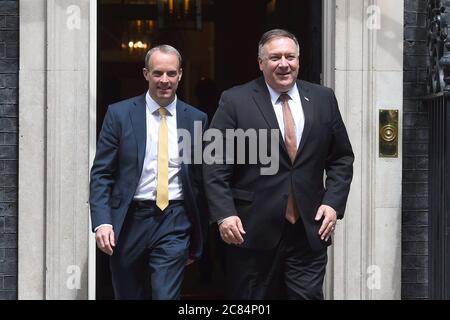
(293,93)
(153,107)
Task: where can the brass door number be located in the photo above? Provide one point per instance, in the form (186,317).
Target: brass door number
(388,140)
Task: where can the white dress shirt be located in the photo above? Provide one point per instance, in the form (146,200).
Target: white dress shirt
(295,104)
(146,189)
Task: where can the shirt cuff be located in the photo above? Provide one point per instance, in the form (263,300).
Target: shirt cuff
(102,225)
(219,222)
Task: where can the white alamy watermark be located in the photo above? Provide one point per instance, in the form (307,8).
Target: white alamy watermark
(231,146)
(374,277)
(73,21)
(373,17)
(73,281)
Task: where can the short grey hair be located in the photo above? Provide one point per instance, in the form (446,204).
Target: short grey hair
(164,48)
(273,34)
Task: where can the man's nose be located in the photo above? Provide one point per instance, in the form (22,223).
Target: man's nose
(164,78)
(283,62)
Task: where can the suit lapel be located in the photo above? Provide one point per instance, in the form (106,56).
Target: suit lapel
(261,96)
(308,111)
(183,123)
(138,121)
(182,120)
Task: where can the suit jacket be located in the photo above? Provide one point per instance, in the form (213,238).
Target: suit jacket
(260,200)
(118,166)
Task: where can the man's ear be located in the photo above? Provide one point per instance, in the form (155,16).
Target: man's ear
(260,63)
(180,74)
(145,73)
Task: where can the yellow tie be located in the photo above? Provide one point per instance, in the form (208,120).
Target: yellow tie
(162,187)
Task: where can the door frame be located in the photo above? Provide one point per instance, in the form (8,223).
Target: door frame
(328,59)
(327,79)
(92,135)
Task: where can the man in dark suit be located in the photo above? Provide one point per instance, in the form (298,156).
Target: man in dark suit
(277,227)
(145,200)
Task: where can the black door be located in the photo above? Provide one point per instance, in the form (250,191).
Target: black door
(218,42)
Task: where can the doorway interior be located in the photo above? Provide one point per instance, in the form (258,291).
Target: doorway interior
(218,41)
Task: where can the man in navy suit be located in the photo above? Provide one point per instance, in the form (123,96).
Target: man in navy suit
(145,199)
(277,227)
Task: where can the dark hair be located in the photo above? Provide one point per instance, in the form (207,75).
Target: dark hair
(275,33)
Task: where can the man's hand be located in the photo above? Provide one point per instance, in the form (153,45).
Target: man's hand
(231,230)
(104,236)
(329,221)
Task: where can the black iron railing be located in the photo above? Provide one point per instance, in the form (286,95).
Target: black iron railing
(438,106)
(438,43)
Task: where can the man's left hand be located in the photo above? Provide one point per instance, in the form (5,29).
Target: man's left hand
(329,221)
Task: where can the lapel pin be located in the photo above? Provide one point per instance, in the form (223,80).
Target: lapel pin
(307,99)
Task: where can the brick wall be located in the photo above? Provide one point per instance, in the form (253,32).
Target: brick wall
(9,69)
(415,154)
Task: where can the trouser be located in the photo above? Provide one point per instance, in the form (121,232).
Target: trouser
(290,270)
(151,253)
